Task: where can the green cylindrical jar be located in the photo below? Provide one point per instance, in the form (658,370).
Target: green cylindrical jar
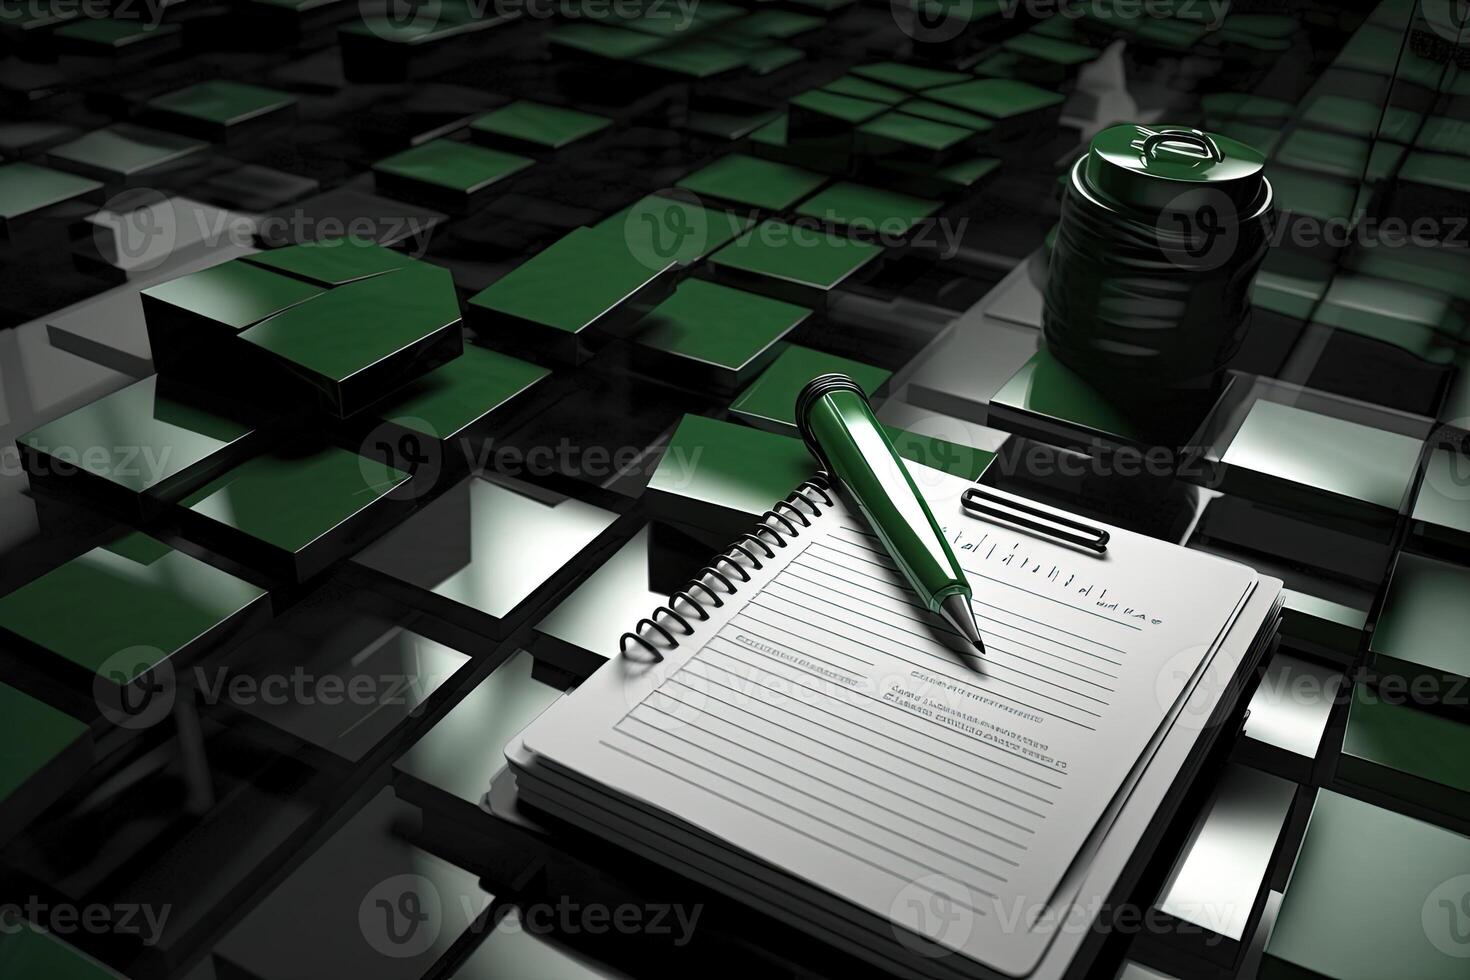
(1162,231)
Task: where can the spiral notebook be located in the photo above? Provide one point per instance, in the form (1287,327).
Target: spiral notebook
(794,729)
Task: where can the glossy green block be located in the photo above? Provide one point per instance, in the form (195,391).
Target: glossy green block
(770,402)
(197,312)
(125,153)
(1014,105)
(949,180)
(1362,118)
(133,451)
(896,136)
(1406,753)
(160,606)
(484,554)
(953,458)
(1423,623)
(911,78)
(525,125)
(821,114)
(1282,454)
(1440,171)
(573,297)
(1444,134)
(864,208)
(1325,153)
(294,512)
(754,182)
(331,262)
(25,951)
(791,262)
(221,110)
(444,173)
(28,191)
(1311,195)
(700,59)
(721,476)
(1050,50)
(1373,894)
(1441,511)
(601,41)
(858,87)
(782,24)
(708,335)
(353,343)
(1048,401)
(663,228)
(452,408)
(43,753)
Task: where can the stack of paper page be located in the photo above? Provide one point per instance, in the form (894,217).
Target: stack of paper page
(823,748)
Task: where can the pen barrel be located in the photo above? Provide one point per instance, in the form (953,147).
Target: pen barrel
(841,430)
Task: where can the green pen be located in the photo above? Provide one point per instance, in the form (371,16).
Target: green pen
(840,429)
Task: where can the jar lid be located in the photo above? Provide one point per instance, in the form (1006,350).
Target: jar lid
(1154,168)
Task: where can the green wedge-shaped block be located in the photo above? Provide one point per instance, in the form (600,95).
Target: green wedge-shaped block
(770,401)
(708,335)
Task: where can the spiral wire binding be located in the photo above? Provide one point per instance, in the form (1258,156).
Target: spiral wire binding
(786,513)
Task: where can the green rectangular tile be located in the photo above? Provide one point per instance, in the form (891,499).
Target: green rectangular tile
(751,181)
(133,451)
(1405,753)
(1322,626)
(294,512)
(1325,153)
(444,172)
(124,151)
(220,110)
(601,41)
(332,261)
(721,476)
(1441,171)
(770,401)
(27,191)
(956,459)
(821,113)
(536,126)
(454,407)
(92,35)
(43,752)
(711,335)
(674,227)
(899,135)
(867,208)
(572,297)
(1444,134)
(911,78)
(996,98)
(1050,50)
(1371,896)
(26,951)
(1423,623)
(857,87)
(351,344)
(1047,400)
(791,262)
(700,58)
(196,312)
(1418,320)
(782,24)
(160,607)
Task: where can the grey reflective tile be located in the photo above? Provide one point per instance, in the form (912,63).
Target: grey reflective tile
(483,548)
(367,904)
(456,759)
(1288,716)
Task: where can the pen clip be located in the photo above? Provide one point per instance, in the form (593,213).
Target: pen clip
(979,502)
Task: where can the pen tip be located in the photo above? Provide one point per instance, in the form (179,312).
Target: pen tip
(980,646)
(956,609)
